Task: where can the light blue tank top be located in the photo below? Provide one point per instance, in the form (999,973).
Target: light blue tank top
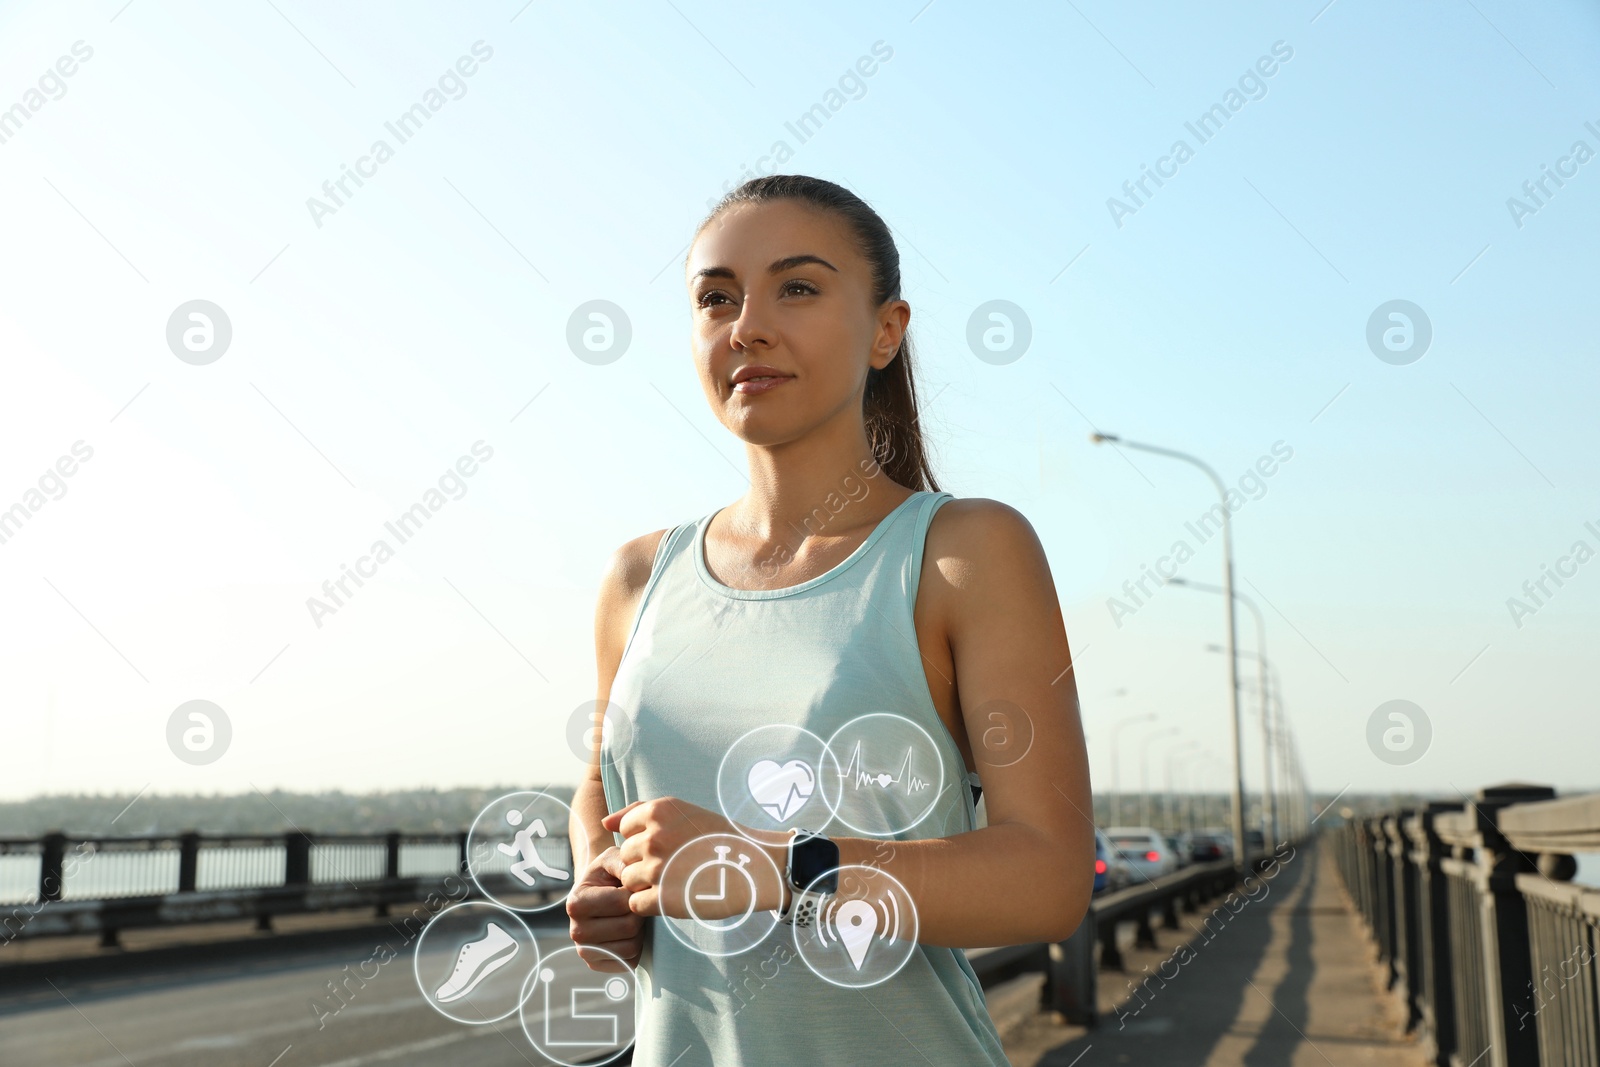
(704,665)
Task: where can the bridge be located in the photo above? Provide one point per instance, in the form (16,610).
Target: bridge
(1448,934)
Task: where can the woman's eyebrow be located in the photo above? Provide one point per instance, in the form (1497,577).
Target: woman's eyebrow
(787,263)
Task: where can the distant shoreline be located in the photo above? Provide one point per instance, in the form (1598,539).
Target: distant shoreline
(276,811)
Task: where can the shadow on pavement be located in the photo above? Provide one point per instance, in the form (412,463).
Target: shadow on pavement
(1181,1006)
(1285,1027)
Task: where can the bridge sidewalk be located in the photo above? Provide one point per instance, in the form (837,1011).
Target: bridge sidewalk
(1286,980)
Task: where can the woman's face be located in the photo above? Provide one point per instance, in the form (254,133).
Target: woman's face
(784,324)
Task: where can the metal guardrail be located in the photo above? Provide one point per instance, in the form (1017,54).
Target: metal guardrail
(87,885)
(1485,939)
(1071,967)
(194,878)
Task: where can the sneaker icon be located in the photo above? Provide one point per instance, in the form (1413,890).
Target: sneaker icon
(476,961)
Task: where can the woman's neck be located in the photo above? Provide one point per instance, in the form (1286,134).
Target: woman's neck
(830,478)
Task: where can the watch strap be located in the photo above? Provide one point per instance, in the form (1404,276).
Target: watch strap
(803,908)
(804,902)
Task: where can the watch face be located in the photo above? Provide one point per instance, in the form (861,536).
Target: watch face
(812,857)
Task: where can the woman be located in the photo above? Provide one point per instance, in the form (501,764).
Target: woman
(843,584)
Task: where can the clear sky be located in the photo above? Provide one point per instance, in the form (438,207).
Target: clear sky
(375,339)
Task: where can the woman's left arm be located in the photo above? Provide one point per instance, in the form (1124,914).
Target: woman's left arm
(1026,876)
(1029,874)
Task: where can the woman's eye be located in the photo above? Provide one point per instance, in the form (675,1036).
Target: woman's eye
(707,300)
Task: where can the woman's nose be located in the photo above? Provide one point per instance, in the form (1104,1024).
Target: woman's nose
(752,328)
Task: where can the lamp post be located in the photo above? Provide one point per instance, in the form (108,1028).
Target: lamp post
(1301,792)
(1282,752)
(1287,796)
(1144,772)
(1181,780)
(1298,797)
(1233,628)
(1271,743)
(1213,761)
(1116,787)
(1197,773)
(1173,755)
(1269,814)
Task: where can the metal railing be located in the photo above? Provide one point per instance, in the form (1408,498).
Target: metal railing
(61,885)
(1071,967)
(193,878)
(1489,945)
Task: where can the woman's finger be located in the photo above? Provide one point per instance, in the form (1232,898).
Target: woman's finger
(626,950)
(614,820)
(634,850)
(637,877)
(612,863)
(645,902)
(597,902)
(610,928)
(644,815)
(598,870)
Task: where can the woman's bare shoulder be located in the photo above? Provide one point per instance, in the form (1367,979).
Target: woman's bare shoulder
(970,536)
(627,572)
(621,588)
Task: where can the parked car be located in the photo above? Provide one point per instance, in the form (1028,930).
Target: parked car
(1205,847)
(1145,850)
(1254,841)
(1102,866)
(1111,871)
(1179,844)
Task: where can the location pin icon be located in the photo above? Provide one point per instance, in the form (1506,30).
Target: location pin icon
(856,923)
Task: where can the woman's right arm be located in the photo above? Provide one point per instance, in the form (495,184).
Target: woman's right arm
(597,906)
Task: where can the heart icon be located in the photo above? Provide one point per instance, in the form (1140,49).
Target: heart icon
(781,791)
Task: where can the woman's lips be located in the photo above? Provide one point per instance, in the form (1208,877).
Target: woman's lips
(752,386)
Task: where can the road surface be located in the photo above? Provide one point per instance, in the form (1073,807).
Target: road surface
(250,1004)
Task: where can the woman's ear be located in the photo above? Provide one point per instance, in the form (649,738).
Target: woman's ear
(893,319)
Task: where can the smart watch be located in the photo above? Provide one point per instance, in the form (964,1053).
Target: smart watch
(812,871)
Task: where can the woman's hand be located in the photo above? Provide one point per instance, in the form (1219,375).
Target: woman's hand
(657,830)
(600,917)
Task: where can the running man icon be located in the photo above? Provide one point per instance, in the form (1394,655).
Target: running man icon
(528,852)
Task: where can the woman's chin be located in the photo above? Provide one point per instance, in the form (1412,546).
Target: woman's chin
(761,428)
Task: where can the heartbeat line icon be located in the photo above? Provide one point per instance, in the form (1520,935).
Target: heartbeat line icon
(882,780)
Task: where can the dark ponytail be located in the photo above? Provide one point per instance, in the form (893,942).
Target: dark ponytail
(890,406)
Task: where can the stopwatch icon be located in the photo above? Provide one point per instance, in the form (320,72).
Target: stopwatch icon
(710,892)
(723,865)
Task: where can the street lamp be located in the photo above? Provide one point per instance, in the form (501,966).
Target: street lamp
(1144,772)
(1194,769)
(1277,730)
(1269,816)
(1233,628)
(1271,747)
(1301,792)
(1174,755)
(1116,772)
(1290,757)
(1205,799)
(1286,799)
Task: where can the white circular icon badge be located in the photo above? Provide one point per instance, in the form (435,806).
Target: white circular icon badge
(716,880)
(888,774)
(575,1015)
(863,933)
(472,962)
(518,854)
(770,783)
